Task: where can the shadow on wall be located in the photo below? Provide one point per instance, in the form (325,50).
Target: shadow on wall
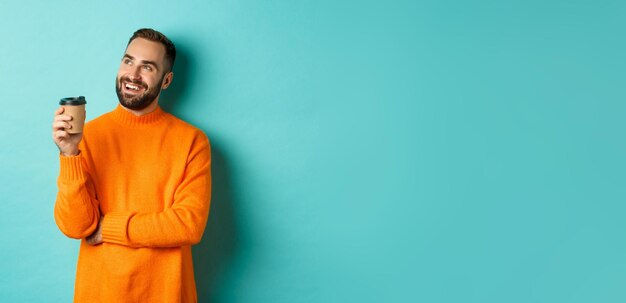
(172,99)
(214,256)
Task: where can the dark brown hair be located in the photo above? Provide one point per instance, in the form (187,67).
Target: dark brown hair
(152,35)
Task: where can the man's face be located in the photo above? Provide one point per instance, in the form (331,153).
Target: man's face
(141,74)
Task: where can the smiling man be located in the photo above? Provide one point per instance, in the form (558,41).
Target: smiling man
(135,187)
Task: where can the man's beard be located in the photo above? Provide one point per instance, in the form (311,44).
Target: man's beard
(137,102)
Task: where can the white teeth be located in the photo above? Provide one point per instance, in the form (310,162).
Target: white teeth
(133,87)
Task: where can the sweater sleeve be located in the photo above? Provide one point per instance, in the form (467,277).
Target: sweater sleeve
(76,210)
(181,224)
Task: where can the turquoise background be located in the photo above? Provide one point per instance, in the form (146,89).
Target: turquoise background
(363,151)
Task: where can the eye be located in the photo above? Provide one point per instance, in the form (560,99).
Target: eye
(127,61)
(147,68)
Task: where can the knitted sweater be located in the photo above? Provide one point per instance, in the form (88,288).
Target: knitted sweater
(149,179)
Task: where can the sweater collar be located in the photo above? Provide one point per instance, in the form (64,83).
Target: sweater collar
(127,118)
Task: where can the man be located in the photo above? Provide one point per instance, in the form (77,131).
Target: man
(135,187)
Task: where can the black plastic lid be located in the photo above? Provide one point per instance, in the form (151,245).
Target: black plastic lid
(73,101)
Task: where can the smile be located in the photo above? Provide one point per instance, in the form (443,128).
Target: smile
(132,88)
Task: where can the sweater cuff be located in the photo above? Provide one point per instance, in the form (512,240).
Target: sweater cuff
(72,168)
(114,227)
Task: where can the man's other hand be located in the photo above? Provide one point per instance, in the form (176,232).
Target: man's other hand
(96,237)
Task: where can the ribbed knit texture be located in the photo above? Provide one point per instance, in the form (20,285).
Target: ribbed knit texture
(71,168)
(148,179)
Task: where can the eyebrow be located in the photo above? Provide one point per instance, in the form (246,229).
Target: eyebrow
(143,61)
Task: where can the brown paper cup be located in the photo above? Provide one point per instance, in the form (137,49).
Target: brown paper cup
(75,107)
(78,118)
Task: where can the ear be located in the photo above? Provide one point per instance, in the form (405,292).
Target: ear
(167,80)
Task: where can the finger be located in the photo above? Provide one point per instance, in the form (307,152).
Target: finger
(61,135)
(91,240)
(62,118)
(59,111)
(61,125)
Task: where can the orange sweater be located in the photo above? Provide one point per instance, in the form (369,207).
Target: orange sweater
(149,177)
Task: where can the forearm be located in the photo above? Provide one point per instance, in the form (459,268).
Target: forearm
(76,211)
(171,228)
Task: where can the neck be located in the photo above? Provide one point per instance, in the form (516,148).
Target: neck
(148,109)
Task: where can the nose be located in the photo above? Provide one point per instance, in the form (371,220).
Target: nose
(135,73)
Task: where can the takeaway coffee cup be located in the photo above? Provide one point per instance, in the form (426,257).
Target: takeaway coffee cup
(75,107)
